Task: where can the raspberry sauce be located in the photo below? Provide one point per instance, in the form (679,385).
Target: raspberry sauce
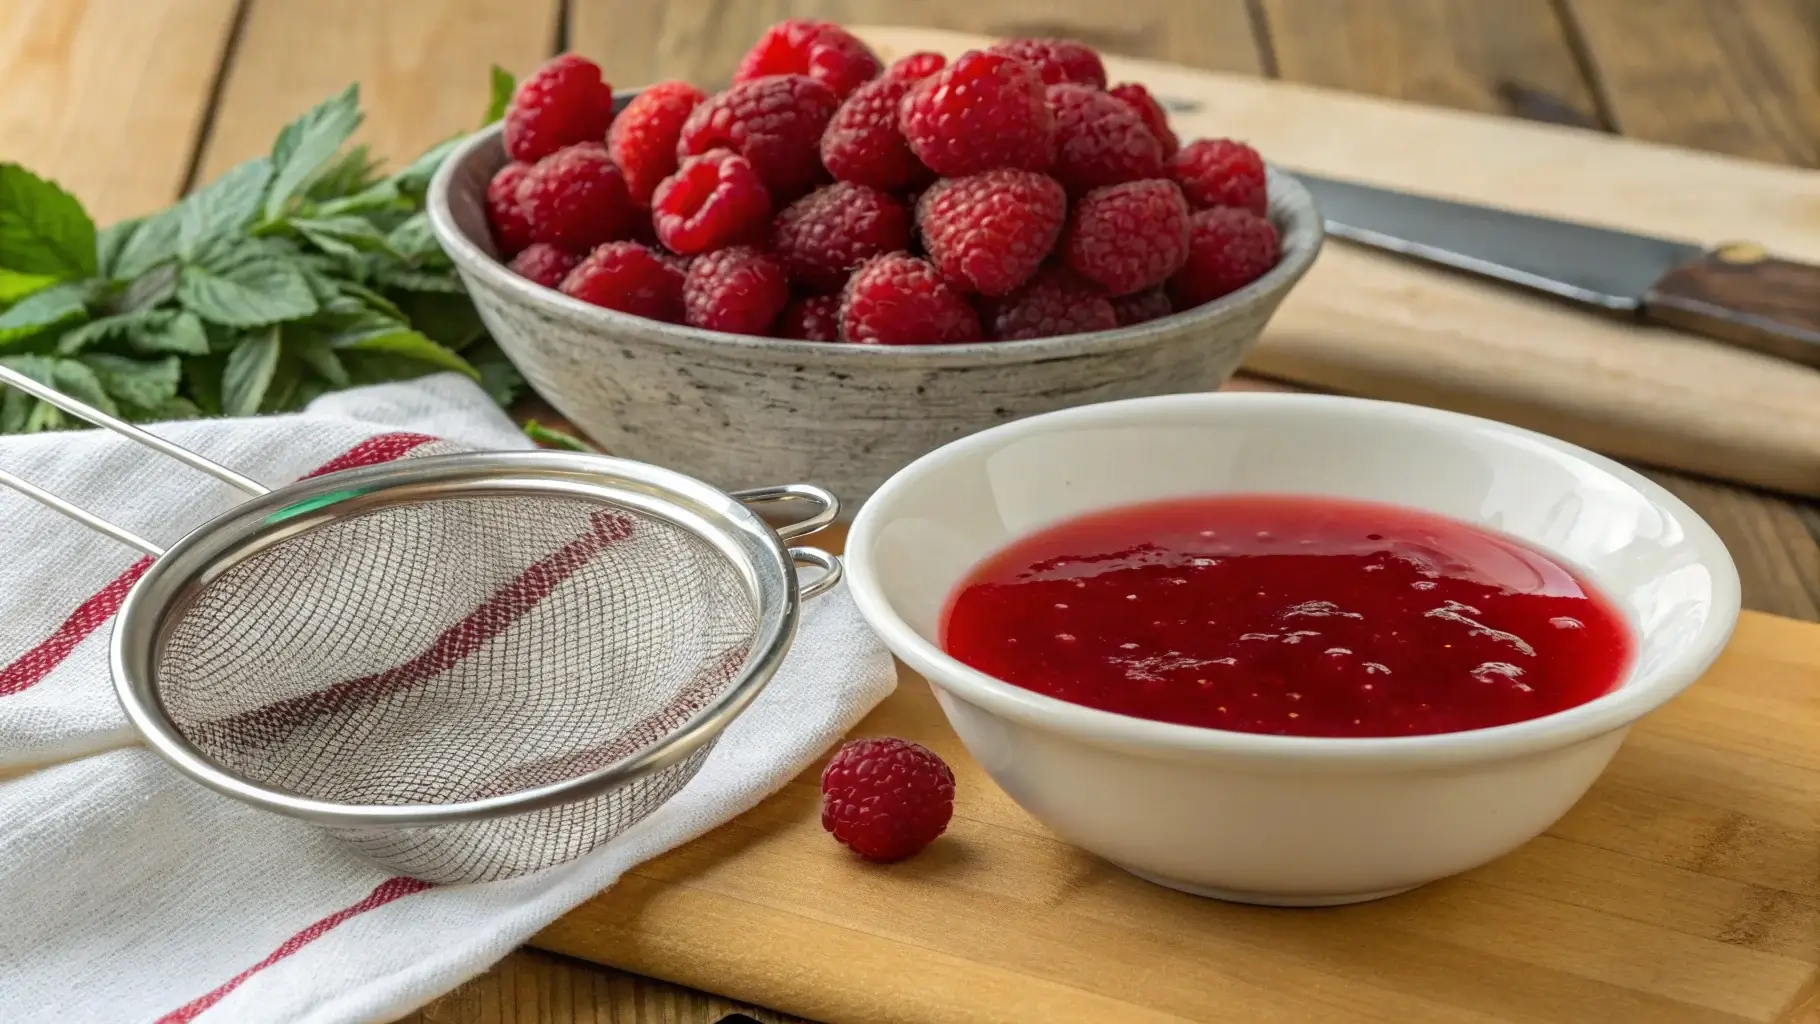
(1289,615)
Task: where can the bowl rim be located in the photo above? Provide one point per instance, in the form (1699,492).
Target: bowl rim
(1634,697)
(1292,208)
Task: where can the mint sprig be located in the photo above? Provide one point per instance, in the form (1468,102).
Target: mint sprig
(293,274)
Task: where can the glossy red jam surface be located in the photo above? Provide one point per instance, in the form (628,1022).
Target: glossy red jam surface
(1288,615)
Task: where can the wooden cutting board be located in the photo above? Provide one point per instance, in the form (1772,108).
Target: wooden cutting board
(1373,325)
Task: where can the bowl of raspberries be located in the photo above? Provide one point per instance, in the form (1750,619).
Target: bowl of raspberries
(838,264)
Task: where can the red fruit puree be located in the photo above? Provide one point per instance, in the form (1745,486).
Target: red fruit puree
(1289,615)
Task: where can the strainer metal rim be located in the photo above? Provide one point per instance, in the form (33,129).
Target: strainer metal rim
(712,515)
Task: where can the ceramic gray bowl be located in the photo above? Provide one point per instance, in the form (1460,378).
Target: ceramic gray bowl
(739,411)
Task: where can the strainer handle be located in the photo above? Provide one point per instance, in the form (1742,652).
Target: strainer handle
(828,564)
(828,506)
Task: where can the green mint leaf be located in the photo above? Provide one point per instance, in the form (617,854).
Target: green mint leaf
(377,198)
(344,236)
(414,180)
(223,208)
(154,242)
(180,334)
(402,341)
(15,286)
(305,145)
(175,408)
(316,354)
(413,240)
(352,172)
(281,395)
(43,229)
(55,306)
(237,291)
(373,300)
(20,413)
(143,383)
(152,288)
(449,320)
(146,331)
(498,377)
(109,328)
(249,371)
(551,438)
(503,84)
(79,382)
(407,280)
(202,382)
(109,241)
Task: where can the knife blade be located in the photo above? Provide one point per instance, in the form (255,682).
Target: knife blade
(1735,293)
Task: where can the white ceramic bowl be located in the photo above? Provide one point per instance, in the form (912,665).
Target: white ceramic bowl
(1279,819)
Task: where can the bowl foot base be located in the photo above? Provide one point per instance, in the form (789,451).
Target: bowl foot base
(1264,899)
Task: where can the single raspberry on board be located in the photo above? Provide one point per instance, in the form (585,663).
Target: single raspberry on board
(1139,99)
(985,110)
(825,234)
(1100,140)
(917,66)
(559,104)
(1055,302)
(545,264)
(812,318)
(643,137)
(819,49)
(863,143)
(1128,237)
(630,278)
(739,290)
(575,198)
(1228,248)
(776,122)
(1057,60)
(511,228)
(1142,307)
(988,232)
(713,200)
(886,798)
(897,299)
(1221,172)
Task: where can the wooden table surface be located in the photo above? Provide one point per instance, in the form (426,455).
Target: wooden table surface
(130,102)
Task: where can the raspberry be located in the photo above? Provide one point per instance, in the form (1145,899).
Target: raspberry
(1139,99)
(819,49)
(776,122)
(1128,237)
(511,229)
(863,143)
(985,110)
(989,232)
(1142,307)
(630,278)
(1100,140)
(1220,172)
(897,299)
(814,318)
(559,104)
(643,137)
(545,264)
(712,200)
(825,234)
(917,66)
(1228,248)
(1055,302)
(1057,60)
(575,198)
(739,290)
(886,798)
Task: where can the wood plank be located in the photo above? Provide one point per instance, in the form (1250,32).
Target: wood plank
(534,987)
(107,97)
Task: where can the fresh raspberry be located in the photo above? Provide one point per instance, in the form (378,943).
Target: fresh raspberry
(511,228)
(917,66)
(985,110)
(819,49)
(776,122)
(1228,248)
(739,290)
(643,137)
(1142,307)
(559,104)
(1100,140)
(825,234)
(712,200)
(630,278)
(1221,172)
(545,264)
(886,798)
(1139,99)
(1055,302)
(863,143)
(812,318)
(897,299)
(1057,60)
(1128,237)
(989,232)
(575,198)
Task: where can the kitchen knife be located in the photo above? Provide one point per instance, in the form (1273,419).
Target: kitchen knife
(1735,293)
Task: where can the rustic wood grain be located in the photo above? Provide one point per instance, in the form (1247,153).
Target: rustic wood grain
(534,987)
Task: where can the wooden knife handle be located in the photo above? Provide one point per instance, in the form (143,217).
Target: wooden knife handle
(1737,293)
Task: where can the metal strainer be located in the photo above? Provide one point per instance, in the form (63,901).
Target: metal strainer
(466,666)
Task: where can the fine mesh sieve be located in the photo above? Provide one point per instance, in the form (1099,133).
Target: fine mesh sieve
(466,666)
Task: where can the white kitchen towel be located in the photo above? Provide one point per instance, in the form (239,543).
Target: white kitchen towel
(132,894)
